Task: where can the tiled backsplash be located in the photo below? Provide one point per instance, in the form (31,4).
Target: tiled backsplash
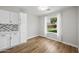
(8,27)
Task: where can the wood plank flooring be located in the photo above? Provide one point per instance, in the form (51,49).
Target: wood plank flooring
(42,45)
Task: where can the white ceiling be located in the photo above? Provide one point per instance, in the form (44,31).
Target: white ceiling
(34,9)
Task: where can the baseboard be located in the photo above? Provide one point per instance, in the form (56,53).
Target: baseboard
(78,50)
(62,42)
(70,44)
(32,37)
(5,49)
(54,39)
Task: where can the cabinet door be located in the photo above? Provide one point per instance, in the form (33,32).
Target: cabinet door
(14,18)
(23,27)
(4,41)
(15,40)
(4,16)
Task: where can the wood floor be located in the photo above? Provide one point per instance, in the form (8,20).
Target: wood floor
(42,45)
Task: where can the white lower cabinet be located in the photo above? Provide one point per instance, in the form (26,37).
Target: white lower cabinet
(15,39)
(8,40)
(4,41)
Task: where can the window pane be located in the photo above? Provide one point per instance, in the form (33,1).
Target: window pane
(52,25)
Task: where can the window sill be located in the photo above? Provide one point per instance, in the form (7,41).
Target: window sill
(52,33)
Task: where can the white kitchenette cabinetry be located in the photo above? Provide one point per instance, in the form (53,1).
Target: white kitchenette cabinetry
(15,35)
(23,27)
(10,38)
(15,39)
(4,40)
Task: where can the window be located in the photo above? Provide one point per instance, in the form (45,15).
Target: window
(52,24)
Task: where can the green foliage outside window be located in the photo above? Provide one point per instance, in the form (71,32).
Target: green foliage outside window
(53,20)
(52,26)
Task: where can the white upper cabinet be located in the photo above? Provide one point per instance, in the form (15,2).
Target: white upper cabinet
(7,17)
(14,17)
(4,17)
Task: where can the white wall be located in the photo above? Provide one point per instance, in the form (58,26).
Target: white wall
(32,26)
(69,26)
(78,25)
(41,26)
